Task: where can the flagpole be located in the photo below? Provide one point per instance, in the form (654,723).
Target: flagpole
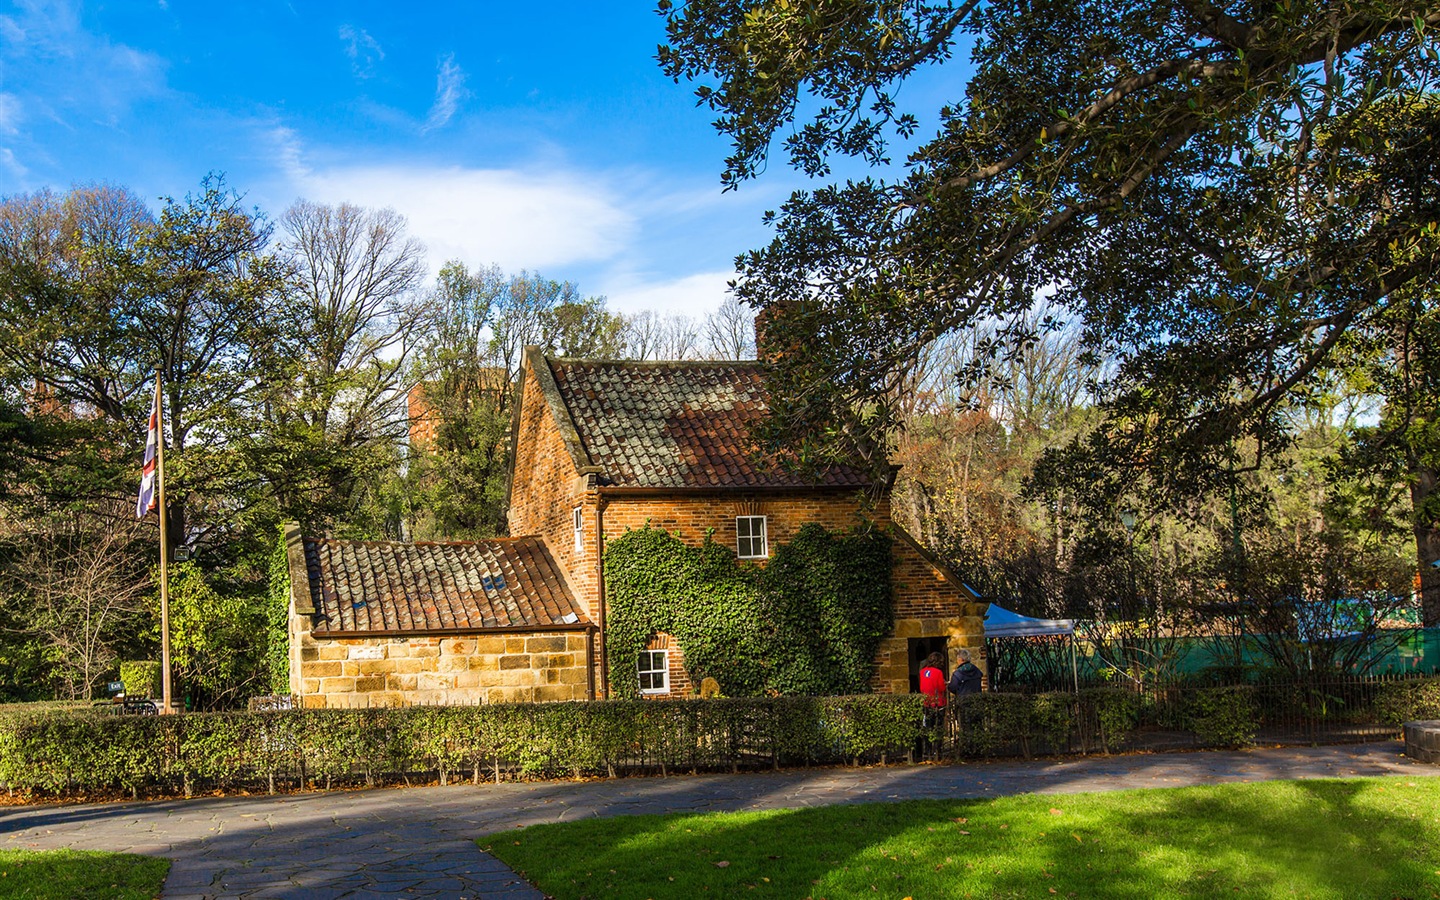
(165,708)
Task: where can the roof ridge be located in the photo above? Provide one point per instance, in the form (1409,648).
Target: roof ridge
(655,363)
(501,539)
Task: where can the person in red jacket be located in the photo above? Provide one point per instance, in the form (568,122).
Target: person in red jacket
(932,685)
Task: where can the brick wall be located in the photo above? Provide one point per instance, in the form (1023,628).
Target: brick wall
(546,489)
(690,515)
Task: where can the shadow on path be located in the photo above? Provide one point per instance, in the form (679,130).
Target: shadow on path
(420,841)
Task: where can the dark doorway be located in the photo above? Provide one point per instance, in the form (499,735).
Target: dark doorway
(922,647)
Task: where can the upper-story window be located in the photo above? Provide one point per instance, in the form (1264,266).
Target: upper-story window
(579,530)
(750,537)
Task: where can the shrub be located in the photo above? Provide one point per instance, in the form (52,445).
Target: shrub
(141,678)
(1398,702)
(1108,716)
(1223,716)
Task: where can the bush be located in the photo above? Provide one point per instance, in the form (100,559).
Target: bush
(1398,702)
(141,678)
(1223,716)
(1107,717)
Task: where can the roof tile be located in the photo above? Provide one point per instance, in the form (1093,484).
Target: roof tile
(359,586)
(677,424)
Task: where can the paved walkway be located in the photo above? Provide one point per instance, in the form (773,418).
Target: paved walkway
(420,841)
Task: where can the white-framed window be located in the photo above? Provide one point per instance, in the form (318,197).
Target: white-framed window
(750,537)
(579,530)
(653,667)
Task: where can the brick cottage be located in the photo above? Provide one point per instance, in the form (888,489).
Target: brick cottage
(598,447)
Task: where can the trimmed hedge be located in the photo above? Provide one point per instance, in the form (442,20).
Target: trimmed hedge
(48,749)
(52,753)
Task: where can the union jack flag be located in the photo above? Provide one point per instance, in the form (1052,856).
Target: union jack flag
(147,472)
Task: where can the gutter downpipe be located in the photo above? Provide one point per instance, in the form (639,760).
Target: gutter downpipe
(600,503)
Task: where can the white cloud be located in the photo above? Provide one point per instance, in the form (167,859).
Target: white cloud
(11,164)
(695,295)
(64,68)
(10,114)
(519,220)
(450,92)
(363,50)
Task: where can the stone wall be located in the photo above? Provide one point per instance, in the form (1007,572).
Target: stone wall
(433,670)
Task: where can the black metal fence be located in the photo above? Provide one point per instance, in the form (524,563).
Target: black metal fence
(1192,714)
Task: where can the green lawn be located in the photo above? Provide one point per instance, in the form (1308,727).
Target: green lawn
(1364,838)
(69,874)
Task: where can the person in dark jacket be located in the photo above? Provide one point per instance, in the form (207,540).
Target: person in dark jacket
(965,680)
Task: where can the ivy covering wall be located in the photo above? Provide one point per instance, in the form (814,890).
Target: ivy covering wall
(277,612)
(807,622)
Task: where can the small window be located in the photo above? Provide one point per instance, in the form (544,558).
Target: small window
(654,669)
(579,530)
(750,537)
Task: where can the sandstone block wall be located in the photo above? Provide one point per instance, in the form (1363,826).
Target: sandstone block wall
(469,669)
(892,659)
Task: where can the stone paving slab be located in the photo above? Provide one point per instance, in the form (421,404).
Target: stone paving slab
(420,841)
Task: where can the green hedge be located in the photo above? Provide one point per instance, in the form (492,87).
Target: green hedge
(52,753)
(50,749)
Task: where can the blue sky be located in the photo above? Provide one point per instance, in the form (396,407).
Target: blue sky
(540,137)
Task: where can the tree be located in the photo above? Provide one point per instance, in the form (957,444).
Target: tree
(465,398)
(1207,187)
(78,594)
(337,366)
(730,331)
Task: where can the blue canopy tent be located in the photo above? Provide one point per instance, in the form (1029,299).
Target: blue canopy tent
(1005,623)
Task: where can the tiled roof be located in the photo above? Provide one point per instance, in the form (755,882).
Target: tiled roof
(359,586)
(675,424)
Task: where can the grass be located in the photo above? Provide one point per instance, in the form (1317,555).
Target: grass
(1370,838)
(67,874)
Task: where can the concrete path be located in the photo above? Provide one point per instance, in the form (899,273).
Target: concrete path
(420,841)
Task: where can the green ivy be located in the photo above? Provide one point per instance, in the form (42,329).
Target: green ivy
(277,619)
(806,623)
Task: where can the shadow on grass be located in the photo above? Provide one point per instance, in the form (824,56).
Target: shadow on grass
(1305,839)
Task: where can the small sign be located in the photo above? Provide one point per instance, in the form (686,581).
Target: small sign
(115,687)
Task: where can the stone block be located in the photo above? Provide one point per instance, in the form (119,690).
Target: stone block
(336,685)
(488,662)
(515,662)
(387,698)
(408,666)
(514,645)
(313,701)
(309,685)
(421,651)
(554,661)
(323,669)
(545,645)
(518,677)
(551,693)
(469,680)
(495,645)
(333,652)
(401,682)
(1422,741)
(458,647)
(575,643)
(452,664)
(370,683)
(368,651)
(907,628)
(309,653)
(574,675)
(348,701)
